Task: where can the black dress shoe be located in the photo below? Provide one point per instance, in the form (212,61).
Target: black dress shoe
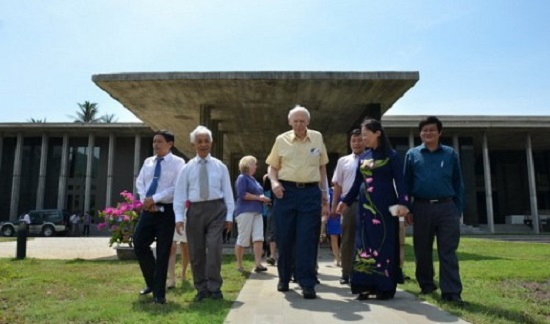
(282,286)
(309,293)
(160,300)
(200,296)
(384,295)
(216,295)
(427,290)
(146,291)
(453,298)
(363,296)
(344,280)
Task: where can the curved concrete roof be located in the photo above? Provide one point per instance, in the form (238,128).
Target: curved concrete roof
(250,108)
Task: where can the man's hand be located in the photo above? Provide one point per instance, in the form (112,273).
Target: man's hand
(341,208)
(149,204)
(409,219)
(228,226)
(402,211)
(277,189)
(180,226)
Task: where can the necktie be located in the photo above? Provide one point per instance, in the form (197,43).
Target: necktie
(203,180)
(154,184)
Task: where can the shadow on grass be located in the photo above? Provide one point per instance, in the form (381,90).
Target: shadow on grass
(494,312)
(462,256)
(497,313)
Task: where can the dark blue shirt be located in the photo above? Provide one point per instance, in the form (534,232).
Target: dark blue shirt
(434,174)
(244,184)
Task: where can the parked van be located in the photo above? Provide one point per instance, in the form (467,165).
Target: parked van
(46,222)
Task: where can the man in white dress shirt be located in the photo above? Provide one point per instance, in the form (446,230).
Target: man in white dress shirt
(342,179)
(155,186)
(203,203)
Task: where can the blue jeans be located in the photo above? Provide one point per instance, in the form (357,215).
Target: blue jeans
(297,218)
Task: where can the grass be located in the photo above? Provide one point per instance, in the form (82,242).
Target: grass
(82,291)
(503,282)
(12,239)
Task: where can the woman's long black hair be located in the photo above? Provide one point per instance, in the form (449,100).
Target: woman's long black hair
(374,126)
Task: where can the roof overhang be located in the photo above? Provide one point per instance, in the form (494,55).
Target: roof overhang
(250,108)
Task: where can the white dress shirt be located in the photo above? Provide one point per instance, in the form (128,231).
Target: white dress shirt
(188,187)
(170,168)
(344,174)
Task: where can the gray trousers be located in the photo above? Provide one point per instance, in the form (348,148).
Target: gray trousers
(204,228)
(347,250)
(441,220)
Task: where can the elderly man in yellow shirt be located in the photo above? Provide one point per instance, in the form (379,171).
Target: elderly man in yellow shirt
(297,170)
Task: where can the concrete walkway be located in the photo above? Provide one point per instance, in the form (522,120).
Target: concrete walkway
(259,301)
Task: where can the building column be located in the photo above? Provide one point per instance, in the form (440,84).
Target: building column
(456,144)
(137,153)
(42,173)
(204,117)
(456,147)
(411,138)
(532,184)
(14,206)
(1,149)
(488,185)
(220,144)
(89,167)
(62,188)
(110,165)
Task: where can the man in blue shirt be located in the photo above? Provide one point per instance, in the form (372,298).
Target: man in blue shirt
(434,180)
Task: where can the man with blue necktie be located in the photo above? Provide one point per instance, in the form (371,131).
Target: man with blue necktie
(204,205)
(155,186)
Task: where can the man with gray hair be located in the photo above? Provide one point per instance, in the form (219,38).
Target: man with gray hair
(203,203)
(297,170)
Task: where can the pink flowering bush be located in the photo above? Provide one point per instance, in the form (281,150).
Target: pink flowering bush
(121,220)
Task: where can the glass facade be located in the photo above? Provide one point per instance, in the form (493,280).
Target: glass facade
(30,168)
(509,173)
(6,175)
(54,171)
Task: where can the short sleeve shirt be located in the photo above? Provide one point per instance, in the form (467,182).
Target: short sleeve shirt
(298,160)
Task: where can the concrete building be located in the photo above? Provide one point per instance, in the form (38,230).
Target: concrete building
(505,160)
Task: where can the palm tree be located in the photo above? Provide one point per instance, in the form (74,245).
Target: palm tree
(32,120)
(109,118)
(87,114)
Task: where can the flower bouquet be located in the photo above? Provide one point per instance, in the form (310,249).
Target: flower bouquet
(121,220)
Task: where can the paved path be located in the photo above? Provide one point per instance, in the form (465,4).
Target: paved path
(259,301)
(88,248)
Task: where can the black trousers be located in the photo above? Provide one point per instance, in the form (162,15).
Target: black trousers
(159,225)
(441,220)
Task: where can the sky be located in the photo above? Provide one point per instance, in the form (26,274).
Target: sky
(489,57)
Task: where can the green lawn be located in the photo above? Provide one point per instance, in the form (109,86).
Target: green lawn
(80,291)
(504,282)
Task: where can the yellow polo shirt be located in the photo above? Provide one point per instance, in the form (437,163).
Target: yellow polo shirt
(298,160)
